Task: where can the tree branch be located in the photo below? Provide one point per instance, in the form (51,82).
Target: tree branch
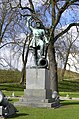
(24,50)
(62,9)
(31,5)
(31,10)
(66,30)
(8,44)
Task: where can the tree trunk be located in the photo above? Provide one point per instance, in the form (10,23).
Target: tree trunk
(53,67)
(23,72)
(67,55)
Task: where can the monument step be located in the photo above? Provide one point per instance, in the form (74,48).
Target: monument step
(35,100)
(1,117)
(36,104)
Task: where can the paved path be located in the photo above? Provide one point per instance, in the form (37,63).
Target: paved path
(68,98)
(61,98)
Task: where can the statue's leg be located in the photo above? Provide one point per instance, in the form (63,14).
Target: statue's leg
(41,48)
(31,59)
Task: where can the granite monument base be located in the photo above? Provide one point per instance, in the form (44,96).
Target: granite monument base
(1,117)
(37,92)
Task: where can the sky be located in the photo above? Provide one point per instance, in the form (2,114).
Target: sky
(66,18)
(17,63)
(9,59)
(34,1)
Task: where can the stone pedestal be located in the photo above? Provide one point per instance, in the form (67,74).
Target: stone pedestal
(1,117)
(37,92)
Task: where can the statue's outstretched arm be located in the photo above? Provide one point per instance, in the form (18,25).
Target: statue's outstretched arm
(29,24)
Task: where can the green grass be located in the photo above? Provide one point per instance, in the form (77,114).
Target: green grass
(9,76)
(69,86)
(9,88)
(16,93)
(65,87)
(71,94)
(69,75)
(68,110)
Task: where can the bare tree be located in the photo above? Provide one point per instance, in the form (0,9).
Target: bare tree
(7,20)
(24,58)
(55,9)
(11,25)
(51,15)
(7,23)
(65,47)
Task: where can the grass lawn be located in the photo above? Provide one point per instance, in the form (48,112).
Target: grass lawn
(68,86)
(71,94)
(68,110)
(9,88)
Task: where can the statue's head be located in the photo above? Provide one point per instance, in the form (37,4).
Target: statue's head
(38,25)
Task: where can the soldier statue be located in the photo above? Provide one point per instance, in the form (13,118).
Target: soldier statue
(38,45)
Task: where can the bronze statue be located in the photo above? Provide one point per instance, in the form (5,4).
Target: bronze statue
(38,43)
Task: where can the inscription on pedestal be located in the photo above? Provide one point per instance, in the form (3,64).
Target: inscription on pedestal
(37,79)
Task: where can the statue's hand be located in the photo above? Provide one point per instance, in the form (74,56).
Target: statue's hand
(28,18)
